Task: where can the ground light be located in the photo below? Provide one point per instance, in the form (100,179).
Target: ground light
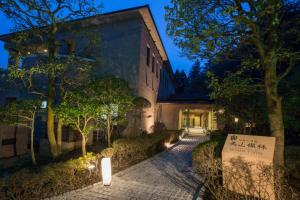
(106,171)
(236,120)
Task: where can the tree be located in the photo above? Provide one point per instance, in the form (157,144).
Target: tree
(22,113)
(197,79)
(80,111)
(181,81)
(39,22)
(206,28)
(116,100)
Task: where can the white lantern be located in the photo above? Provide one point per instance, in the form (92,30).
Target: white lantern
(106,171)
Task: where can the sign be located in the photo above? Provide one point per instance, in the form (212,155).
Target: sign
(247,164)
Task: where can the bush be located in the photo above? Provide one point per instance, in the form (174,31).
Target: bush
(292,158)
(133,150)
(50,180)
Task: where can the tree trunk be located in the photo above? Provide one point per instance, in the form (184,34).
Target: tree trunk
(51,99)
(32,140)
(83,145)
(275,111)
(59,135)
(108,136)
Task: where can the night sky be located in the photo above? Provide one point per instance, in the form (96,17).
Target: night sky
(157,8)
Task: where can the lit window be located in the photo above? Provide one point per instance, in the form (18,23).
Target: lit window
(44,104)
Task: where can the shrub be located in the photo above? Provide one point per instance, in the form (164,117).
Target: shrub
(292,155)
(133,150)
(50,180)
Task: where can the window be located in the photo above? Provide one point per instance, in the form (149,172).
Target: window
(146,78)
(148,55)
(157,69)
(9,141)
(67,47)
(152,84)
(153,63)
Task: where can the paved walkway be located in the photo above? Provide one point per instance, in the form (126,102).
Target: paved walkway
(167,175)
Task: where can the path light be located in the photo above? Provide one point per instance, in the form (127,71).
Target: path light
(91,166)
(106,171)
(45,50)
(236,120)
(168,145)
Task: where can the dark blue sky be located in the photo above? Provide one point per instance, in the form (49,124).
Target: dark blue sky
(157,8)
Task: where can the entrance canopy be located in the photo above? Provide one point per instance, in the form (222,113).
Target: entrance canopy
(191,114)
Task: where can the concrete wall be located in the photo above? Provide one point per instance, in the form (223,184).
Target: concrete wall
(148,77)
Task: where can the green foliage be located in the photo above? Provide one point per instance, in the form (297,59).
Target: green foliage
(238,96)
(21,112)
(79,110)
(133,150)
(116,100)
(292,160)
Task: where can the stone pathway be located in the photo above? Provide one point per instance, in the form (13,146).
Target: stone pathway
(167,175)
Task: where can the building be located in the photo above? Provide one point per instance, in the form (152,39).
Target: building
(130,48)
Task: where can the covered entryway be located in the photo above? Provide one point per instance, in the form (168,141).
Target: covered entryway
(194,121)
(196,117)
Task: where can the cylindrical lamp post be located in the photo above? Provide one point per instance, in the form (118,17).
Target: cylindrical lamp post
(106,171)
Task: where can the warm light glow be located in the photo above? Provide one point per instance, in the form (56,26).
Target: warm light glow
(28,52)
(236,120)
(91,166)
(168,145)
(45,50)
(221,111)
(106,171)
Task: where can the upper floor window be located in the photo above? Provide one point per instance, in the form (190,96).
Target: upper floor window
(146,77)
(152,84)
(153,63)
(148,55)
(66,48)
(157,69)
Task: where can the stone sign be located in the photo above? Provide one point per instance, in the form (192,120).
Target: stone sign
(247,163)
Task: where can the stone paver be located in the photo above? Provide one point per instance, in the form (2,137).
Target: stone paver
(168,175)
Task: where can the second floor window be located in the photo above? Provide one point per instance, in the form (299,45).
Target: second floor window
(153,63)
(146,78)
(148,55)
(157,69)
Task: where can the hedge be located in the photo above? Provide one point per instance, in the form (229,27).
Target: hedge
(57,178)
(208,151)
